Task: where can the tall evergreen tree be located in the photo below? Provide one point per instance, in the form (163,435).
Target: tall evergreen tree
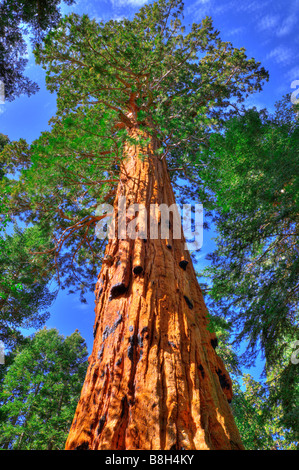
(24,291)
(133,97)
(40,391)
(252,169)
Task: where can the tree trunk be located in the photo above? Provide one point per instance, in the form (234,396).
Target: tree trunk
(154,380)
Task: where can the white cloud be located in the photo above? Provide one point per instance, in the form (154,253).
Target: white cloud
(133,3)
(252,101)
(118,18)
(83,307)
(281,55)
(287,25)
(199,9)
(280,24)
(236,31)
(252,6)
(203,2)
(268,22)
(292,75)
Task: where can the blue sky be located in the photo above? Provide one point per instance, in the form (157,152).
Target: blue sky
(267,29)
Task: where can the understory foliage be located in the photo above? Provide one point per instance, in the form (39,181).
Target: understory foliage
(258,417)
(25,293)
(40,391)
(265,409)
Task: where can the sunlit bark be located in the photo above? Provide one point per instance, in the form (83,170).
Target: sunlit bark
(154,380)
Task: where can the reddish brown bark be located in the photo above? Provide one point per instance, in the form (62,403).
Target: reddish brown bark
(154,380)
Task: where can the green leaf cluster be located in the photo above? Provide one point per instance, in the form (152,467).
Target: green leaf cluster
(253,172)
(24,291)
(40,391)
(257,410)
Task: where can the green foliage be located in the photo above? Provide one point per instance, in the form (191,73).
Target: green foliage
(182,83)
(177,86)
(266,412)
(180,87)
(40,391)
(4,140)
(223,332)
(283,384)
(18,18)
(24,294)
(258,417)
(252,171)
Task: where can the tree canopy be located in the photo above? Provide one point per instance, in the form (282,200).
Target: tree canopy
(252,171)
(183,85)
(24,291)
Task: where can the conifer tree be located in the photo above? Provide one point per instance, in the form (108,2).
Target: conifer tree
(252,169)
(40,390)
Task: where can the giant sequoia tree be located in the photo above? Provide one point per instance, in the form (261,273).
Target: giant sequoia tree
(135,99)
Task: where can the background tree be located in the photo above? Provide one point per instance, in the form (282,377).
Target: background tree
(4,140)
(265,410)
(283,397)
(18,20)
(40,391)
(259,418)
(252,171)
(24,291)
